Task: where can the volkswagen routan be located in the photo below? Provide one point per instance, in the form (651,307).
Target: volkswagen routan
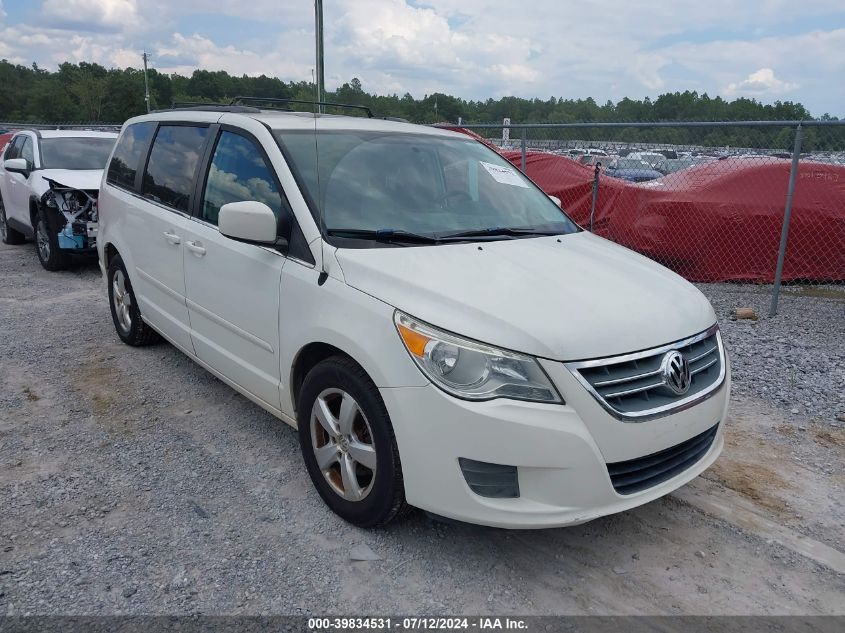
(437,330)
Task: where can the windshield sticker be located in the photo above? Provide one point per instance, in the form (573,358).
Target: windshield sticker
(504,175)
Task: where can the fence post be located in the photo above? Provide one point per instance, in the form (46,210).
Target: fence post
(523,150)
(595,195)
(787,214)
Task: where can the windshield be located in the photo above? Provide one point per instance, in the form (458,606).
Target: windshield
(414,183)
(76,152)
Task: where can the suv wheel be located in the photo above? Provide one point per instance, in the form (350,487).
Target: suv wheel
(52,258)
(348,444)
(124,308)
(7,233)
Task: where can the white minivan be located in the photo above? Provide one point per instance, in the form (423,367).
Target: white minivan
(438,330)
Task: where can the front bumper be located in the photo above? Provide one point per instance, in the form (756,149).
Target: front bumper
(560,451)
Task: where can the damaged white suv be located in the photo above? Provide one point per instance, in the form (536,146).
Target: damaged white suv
(438,330)
(49,182)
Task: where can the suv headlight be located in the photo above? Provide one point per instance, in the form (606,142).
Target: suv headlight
(471,370)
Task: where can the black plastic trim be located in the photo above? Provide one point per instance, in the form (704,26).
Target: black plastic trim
(635,475)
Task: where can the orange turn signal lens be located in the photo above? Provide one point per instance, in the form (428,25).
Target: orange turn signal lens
(414,341)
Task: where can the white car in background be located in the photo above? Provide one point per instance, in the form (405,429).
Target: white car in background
(438,330)
(49,183)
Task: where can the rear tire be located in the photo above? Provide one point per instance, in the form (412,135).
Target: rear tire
(125,313)
(359,475)
(52,258)
(7,233)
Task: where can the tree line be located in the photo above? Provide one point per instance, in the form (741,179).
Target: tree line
(91,93)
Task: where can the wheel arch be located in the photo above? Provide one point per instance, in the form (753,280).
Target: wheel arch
(109,252)
(34,205)
(308,357)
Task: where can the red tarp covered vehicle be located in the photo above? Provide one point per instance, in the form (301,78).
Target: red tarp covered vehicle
(719,221)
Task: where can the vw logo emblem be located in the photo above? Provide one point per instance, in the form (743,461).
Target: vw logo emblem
(676,373)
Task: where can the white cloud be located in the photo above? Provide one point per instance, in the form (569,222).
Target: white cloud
(201,52)
(471,48)
(94,14)
(760,83)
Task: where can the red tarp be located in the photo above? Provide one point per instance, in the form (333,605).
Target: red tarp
(5,138)
(719,221)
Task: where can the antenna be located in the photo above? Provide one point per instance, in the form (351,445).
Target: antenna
(318,32)
(146,82)
(324,274)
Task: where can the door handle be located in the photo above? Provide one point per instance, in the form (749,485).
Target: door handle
(172,238)
(196,248)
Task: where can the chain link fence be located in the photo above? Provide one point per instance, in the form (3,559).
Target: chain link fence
(756,202)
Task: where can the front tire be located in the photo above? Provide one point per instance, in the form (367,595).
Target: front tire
(348,444)
(125,313)
(7,233)
(52,258)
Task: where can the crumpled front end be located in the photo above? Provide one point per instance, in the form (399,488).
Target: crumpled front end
(75,215)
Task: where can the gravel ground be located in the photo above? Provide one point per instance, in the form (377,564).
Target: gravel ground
(796,359)
(132,481)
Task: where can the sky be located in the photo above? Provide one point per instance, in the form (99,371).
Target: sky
(607,49)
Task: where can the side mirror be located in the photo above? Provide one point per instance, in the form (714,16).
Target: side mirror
(18,165)
(249,221)
(556,200)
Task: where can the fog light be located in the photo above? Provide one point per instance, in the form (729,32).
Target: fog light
(490,480)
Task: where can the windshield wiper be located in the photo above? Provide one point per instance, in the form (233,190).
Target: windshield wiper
(499,231)
(385,235)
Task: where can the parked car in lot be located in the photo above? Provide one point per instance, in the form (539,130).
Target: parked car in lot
(48,190)
(591,160)
(438,330)
(632,170)
(652,158)
(674,165)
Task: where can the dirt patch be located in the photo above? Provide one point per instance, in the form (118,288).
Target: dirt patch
(100,383)
(785,429)
(830,437)
(825,292)
(744,468)
(755,481)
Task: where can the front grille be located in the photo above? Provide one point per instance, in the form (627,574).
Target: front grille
(635,475)
(632,387)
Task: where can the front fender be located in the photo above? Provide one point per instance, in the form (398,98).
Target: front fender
(337,314)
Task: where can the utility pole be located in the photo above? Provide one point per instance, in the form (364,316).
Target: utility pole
(146,83)
(321,77)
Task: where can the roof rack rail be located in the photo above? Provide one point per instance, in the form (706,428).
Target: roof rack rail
(273,100)
(211,107)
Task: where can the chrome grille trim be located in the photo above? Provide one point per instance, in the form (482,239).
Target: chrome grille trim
(681,404)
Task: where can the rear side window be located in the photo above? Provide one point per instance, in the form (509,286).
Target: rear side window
(172,167)
(132,144)
(238,172)
(27,153)
(14,149)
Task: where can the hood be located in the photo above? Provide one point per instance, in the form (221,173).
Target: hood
(578,298)
(77,178)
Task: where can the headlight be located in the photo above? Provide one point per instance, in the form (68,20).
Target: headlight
(472,370)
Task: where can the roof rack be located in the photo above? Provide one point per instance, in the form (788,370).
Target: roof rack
(272,100)
(213,107)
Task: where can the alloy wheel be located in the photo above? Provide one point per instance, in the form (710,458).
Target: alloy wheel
(122,301)
(343,445)
(43,240)
(2,222)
